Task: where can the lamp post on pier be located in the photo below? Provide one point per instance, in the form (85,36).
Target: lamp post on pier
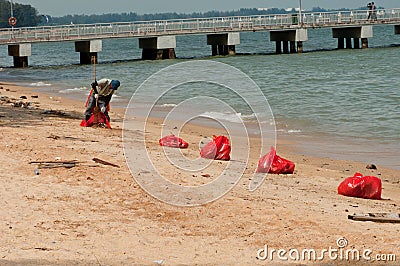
(11,8)
(300,18)
(12,20)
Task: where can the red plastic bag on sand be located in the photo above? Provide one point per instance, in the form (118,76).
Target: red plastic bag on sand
(173,141)
(96,119)
(101,120)
(274,164)
(359,186)
(218,149)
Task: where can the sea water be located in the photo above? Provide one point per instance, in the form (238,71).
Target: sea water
(341,104)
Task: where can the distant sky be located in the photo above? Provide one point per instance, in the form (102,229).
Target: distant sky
(89,7)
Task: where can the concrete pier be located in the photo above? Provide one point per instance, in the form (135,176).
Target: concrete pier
(286,38)
(88,51)
(156,48)
(20,53)
(223,43)
(396,29)
(353,33)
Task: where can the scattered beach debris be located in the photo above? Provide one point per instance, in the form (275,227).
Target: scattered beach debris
(376,217)
(54,112)
(17,103)
(53,137)
(159,262)
(371,166)
(59,113)
(55,164)
(97,160)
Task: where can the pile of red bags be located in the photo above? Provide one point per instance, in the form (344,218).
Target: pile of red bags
(274,164)
(173,142)
(217,149)
(359,186)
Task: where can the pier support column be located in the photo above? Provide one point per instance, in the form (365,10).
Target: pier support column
(356,43)
(364,43)
(158,48)
(285,47)
(88,51)
(348,43)
(289,36)
(340,43)
(223,43)
(20,53)
(278,46)
(292,46)
(396,29)
(356,33)
(299,47)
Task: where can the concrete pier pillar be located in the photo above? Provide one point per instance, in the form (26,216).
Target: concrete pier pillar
(289,36)
(223,43)
(285,47)
(396,29)
(348,33)
(299,47)
(292,46)
(157,48)
(231,49)
(348,43)
(214,50)
(88,51)
(356,43)
(20,53)
(364,43)
(222,49)
(278,46)
(340,43)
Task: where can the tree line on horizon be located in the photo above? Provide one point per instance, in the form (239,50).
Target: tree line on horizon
(28,16)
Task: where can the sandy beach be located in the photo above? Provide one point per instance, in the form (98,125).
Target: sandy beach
(96,214)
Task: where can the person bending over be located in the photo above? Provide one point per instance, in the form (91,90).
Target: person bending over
(102,92)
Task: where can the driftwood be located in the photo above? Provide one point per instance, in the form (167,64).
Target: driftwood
(376,217)
(55,164)
(97,160)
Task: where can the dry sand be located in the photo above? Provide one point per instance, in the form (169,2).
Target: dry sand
(93,214)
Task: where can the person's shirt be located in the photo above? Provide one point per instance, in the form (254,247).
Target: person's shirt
(103,87)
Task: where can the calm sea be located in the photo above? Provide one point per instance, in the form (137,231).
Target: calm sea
(341,104)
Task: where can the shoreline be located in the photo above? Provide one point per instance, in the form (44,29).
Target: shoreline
(98,214)
(324,145)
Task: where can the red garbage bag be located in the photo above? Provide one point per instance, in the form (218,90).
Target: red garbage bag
(173,141)
(218,149)
(99,119)
(274,164)
(359,186)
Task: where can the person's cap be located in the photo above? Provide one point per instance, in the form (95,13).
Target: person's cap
(115,84)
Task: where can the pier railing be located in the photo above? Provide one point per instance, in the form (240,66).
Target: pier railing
(197,26)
